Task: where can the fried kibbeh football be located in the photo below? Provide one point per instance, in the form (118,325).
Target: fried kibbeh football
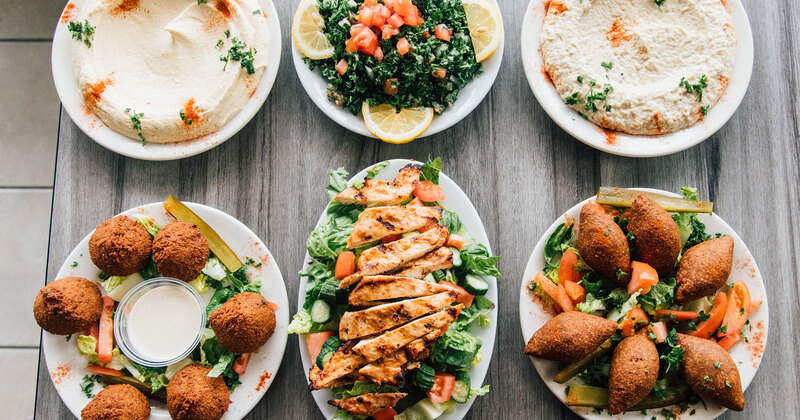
(67,306)
(634,370)
(191,395)
(180,250)
(120,246)
(704,268)
(658,242)
(117,402)
(570,336)
(602,244)
(711,372)
(244,323)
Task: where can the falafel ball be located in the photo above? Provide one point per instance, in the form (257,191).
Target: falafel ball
(243,323)
(191,395)
(67,306)
(120,246)
(117,402)
(180,250)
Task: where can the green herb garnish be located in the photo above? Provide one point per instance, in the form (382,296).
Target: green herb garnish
(607,64)
(697,88)
(237,53)
(136,122)
(704,110)
(82,31)
(257,12)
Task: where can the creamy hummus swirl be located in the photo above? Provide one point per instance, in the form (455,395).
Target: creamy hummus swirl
(159,60)
(642,52)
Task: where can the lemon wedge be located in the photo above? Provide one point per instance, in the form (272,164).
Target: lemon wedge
(396,127)
(307,32)
(485,27)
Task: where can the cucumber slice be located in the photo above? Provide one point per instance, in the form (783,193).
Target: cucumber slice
(438,275)
(456,257)
(412,233)
(423,410)
(461,391)
(321,312)
(430,278)
(328,291)
(475,285)
(328,348)
(424,378)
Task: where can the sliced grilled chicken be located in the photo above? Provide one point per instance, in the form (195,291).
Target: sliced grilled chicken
(368,404)
(421,348)
(343,362)
(393,340)
(438,259)
(383,258)
(377,288)
(387,370)
(382,193)
(389,315)
(379,222)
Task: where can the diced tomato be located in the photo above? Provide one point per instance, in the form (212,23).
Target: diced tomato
(575,291)
(350,46)
(402,46)
(341,66)
(93,331)
(389,4)
(387,413)
(558,294)
(439,72)
(455,241)
(391,238)
(378,54)
(415,202)
(365,16)
(426,228)
(370,3)
(356,29)
(345,264)
(462,296)
(636,318)
(659,329)
(442,32)
(707,328)
(443,384)
(315,341)
(426,34)
(395,20)
(100,370)
(428,192)
(413,18)
(390,86)
(403,7)
(105,335)
(382,11)
(729,340)
(240,364)
(643,278)
(566,268)
(388,31)
(738,310)
(676,315)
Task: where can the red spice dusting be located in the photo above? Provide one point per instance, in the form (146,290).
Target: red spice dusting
(723,83)
(618,34)
(546,76)
(59,373)
(223,7)
(66,16)
(262,380)
(756,344)
(556,6)
(659,124)
(724,3)
(93,94)
(610,136)
(191,116)
(125,6)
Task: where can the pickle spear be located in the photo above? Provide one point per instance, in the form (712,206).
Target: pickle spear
(596,397)
(623,197)
(160,395)
(215,243)
(575,368)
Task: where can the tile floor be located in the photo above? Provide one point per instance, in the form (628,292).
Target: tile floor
(28,133)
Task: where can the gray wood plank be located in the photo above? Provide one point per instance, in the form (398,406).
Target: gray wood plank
(520,170)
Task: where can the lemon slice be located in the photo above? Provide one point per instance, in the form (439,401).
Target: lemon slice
(307,32)
(485,27)
(396,127)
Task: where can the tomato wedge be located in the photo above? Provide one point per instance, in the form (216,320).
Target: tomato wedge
(105,336)
(442,389)
(729,340)
(643,278)
(314,342)
(100,370)
(462,296)
(556,292)
(455,241)
(566,268)
(575,291)
(659,329)
(428,192)
(676,315)
(240,364)
(636,318)
(387,413)
(345,264)
(707,328)
(391,238)
(738,310)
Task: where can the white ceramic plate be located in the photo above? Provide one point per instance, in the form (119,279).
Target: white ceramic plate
(626,144)
(457,202)
(532,315)
(67,367)
(468,98)
(92,126)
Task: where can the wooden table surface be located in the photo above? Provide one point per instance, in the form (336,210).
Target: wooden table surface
(519,169)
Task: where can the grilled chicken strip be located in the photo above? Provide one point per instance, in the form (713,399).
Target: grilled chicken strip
(380,222)
(393,255)
(388,370)
(421,348)
(382,193)
(439,259)
(343,362)
(368,404)
(389,315)
(377,288)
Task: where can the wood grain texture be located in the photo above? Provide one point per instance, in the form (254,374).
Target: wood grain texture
(520,170)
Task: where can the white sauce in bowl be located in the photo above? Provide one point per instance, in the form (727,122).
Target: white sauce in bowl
(162,323)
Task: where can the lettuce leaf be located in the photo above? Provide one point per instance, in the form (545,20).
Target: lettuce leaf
(476,259)
(337,181)
(591,304)
(456,349)
(430,170)
(660,296)
(330,237)
(552,247)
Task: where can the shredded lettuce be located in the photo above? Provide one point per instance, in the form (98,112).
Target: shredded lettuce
(591,304)
(330,237)
(456,349)
(552,247)
(476,392)
(148,224)
(215,269)
(200,284)
(338,181)
(660,296)
(301,323)
(629,304)
(476,259)
(87,346)
(376,169)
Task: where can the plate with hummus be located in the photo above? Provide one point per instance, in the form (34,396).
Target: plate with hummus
(638,78)
(167,310)
(162,80)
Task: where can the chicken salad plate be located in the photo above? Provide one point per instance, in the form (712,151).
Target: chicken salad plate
(644,303)
(167,310)
(398,303)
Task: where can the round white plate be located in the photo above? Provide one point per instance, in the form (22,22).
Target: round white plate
(468,98)
(92,126)
(532,315)
(67,367)
(622,144)
(457,202)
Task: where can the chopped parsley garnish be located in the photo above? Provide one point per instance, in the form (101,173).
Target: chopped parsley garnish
(182,114)
(573,99)
(608,108)
(673,353)
(707,378)
(219,43)
(87,384)
(74,264)
(257,12)
(659,3)
(724,329)
(82,31)
(607,64)
(729,384)
(69,337)
(201,1)
(704,110)
(136,122)
(227,33)
(697,88)
(237,53)
(580,79)
(717,364)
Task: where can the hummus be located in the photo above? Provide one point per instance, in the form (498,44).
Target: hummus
(154,70)
(630,66)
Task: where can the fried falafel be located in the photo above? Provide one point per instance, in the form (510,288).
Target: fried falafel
(117,402)
(570,336)
(67,306)
(243,323)
(180,250)
(602,244)
(633,373)
(704,268)
(191,395)
(711,372)
(658,242)
(120,246)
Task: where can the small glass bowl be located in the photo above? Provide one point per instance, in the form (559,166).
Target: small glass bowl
(123,312)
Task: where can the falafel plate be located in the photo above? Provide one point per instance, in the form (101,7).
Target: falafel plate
(168,310)
(644,304)
(398,316)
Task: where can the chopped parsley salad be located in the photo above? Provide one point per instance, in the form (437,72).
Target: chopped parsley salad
(568,283)
(400,338)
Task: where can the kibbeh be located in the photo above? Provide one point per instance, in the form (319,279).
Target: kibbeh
(570,336)
(634,370)
(711,372)
(704,268)
(602,244)
(658,242)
